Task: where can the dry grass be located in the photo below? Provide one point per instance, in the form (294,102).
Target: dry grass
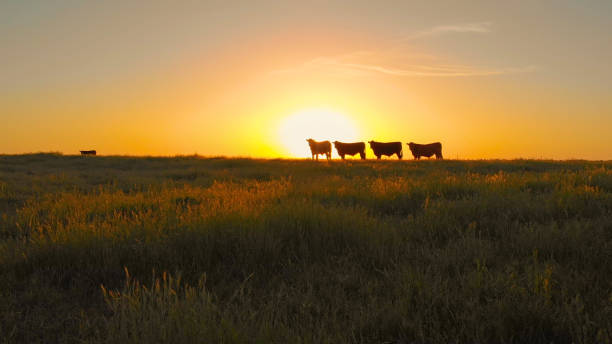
(186,249)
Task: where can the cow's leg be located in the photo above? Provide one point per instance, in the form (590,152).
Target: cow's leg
(378,157)
(400,155)
(362,155)
(342,156)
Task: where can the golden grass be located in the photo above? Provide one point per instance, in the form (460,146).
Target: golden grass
(186,249)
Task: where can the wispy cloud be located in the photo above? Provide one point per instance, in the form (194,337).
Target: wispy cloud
(480,27)
(396,61)
(340,67)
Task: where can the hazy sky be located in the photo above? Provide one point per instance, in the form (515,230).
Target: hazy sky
(488,79)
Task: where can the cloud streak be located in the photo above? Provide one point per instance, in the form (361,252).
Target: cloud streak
(480,27)
(337,66)
(405,64)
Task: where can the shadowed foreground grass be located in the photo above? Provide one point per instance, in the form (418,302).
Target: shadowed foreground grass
(193,250)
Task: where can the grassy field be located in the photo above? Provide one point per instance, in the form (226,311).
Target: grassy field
(214,250)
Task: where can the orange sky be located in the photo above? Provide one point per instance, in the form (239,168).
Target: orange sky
(516,80)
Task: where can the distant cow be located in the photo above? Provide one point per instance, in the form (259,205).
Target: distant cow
(350,149)
(316,148)
(88,152)
(426,150)
(386,148)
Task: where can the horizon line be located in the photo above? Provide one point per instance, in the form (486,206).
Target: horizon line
(245,157)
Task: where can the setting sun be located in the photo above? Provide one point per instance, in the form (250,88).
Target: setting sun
(316,123)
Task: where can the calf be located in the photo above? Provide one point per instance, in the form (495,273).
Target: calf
(316,148)
(427,150)
(350,149)
(386,148)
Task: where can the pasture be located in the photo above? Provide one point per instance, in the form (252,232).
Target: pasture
(215,250)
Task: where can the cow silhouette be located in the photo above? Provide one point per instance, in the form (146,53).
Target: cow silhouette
(350,149)
(386,148)
(88,152)
(427,150)
(316,148)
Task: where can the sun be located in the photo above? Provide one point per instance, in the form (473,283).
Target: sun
(317,123)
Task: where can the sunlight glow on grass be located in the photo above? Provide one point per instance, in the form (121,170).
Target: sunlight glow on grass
(316,123)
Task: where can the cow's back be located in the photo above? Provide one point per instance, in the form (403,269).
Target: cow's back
(350,148)
(386,148)
(426,150)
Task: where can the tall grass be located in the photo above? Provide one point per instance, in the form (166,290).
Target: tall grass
(187,249)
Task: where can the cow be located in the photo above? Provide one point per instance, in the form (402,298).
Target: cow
(426,150)
(316,148)
(386,148)
(350,149)
(88,152)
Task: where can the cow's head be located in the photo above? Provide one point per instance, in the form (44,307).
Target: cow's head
(410,144)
